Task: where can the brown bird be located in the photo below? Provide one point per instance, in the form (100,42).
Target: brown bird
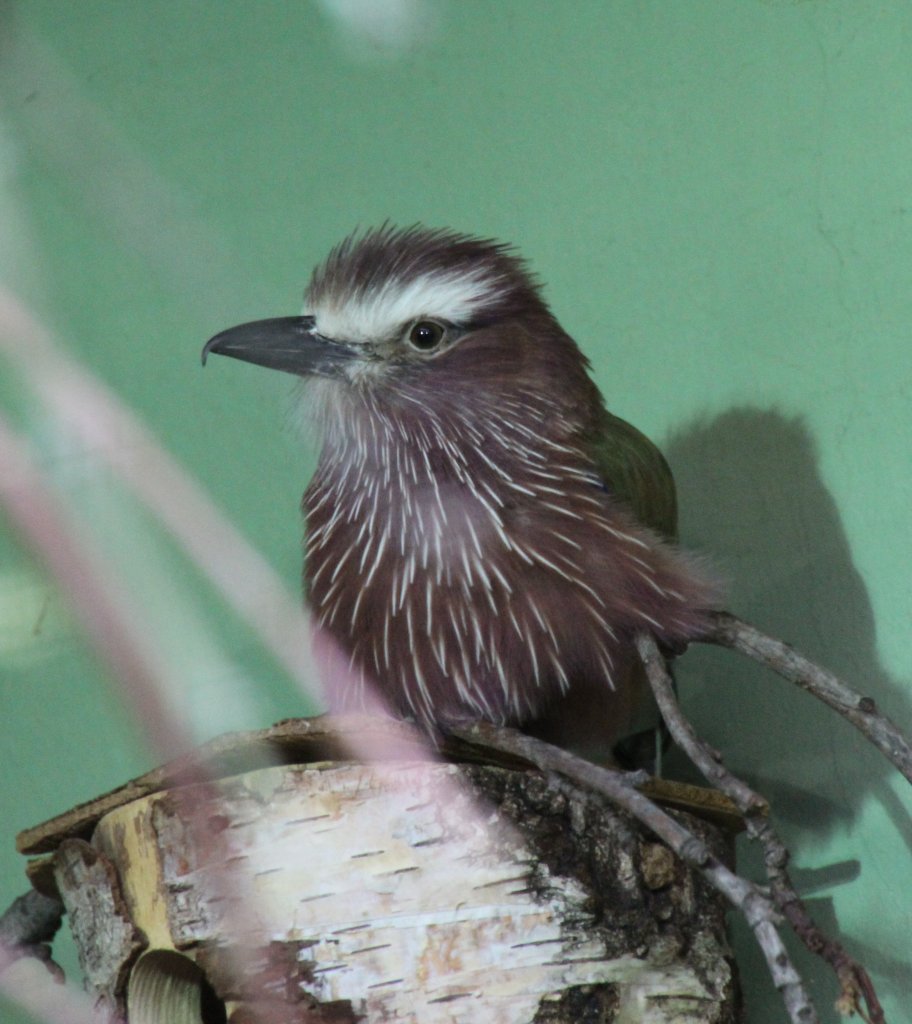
(484,539)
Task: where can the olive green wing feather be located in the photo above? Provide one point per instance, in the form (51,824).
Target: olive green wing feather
(634,470)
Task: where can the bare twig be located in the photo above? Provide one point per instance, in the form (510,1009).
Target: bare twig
(27,927)
(854,982)
(619,788)
(730,631)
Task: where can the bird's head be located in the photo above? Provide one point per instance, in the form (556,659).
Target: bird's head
(420,316)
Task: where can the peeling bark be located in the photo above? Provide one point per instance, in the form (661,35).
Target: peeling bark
(106,936)
(443,893)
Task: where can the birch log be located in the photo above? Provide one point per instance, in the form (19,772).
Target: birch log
(430,892)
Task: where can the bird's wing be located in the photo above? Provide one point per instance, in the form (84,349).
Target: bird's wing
(633,469)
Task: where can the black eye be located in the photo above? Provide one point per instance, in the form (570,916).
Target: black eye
(426,335)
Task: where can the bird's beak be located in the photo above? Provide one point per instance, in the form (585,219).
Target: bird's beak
(285,343)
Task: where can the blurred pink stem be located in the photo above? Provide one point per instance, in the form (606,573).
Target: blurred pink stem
(103,609)
(56,1004)
(107,428)
(245,580)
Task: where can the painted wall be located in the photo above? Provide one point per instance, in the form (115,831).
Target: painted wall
(718,195)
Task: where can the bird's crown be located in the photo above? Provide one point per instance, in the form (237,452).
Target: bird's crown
(375,283)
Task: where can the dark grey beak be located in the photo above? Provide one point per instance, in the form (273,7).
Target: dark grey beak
(286,343)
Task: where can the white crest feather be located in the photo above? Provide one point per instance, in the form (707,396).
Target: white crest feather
(377,315)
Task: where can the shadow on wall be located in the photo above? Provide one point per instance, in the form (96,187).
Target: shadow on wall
(752,499)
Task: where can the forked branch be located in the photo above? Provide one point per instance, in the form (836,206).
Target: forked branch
(856,993)
(730,631)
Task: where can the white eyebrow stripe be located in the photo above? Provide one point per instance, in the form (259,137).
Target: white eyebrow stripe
(375,315)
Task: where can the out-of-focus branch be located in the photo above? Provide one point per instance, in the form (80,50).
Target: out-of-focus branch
(854,983)
(91,413)
(104,610)
(246,582)
(27,927)
(619,788)
(55,1004)
(730,631)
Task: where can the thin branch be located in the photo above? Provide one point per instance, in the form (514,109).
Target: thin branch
(854,982)
(730,631)
(619,788)
(27,927)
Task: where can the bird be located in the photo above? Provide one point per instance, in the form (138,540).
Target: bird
(484,539)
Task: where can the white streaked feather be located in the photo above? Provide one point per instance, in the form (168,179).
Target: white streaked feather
(431,491)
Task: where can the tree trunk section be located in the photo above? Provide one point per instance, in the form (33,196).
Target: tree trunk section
(335,891)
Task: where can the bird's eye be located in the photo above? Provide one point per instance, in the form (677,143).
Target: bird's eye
(426,335)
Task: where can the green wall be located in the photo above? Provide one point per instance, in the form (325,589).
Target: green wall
(718,194)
